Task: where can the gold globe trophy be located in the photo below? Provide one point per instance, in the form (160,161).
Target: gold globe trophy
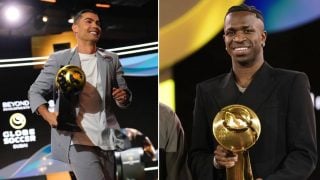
(70,81)
(237,128)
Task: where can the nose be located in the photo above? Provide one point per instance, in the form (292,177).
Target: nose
(96,25)
(239,37)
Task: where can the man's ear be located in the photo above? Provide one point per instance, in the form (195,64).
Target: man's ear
(264,38)
(224,39)
(74,28)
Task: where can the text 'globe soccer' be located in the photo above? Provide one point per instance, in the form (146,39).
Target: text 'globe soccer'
(70,80)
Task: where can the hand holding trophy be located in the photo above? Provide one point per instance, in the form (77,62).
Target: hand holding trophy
(237,128)
(70,81)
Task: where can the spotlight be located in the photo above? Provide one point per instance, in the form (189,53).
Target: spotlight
(49,1)
(12,14)
(44,18)
(101,5)
(70,20)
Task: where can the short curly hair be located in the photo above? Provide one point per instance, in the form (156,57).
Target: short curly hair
(244,7)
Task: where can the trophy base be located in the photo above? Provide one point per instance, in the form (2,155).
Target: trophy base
(67,114)
(68,127)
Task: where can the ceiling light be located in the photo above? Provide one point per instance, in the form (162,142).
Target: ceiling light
(49,1)
(70,20)
(100,5)
(44,18)
(12,13)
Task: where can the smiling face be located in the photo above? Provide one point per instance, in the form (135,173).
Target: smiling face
(87,27)
(244,37)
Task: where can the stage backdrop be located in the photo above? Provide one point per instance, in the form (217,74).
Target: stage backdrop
(25,137)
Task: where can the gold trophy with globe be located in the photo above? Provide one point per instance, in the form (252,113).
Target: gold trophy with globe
(70,81)
(237,128)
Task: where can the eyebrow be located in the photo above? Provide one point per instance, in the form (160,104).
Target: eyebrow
(88,18)
(241,27)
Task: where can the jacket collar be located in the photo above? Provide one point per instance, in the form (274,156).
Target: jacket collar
(256,93)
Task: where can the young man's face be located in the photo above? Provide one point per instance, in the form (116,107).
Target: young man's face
(87,28)
(244,36)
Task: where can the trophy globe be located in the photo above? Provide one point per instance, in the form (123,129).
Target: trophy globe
(237,128)
(70,80)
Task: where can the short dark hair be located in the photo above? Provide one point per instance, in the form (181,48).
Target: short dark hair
(79,14)
(244,7)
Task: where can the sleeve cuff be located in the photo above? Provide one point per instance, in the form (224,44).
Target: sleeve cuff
(215,164)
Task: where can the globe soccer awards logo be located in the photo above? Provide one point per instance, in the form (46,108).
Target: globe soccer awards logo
(17,121)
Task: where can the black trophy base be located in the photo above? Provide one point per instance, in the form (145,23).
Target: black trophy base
(67,114)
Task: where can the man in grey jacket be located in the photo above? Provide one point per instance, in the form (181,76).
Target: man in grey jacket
(89,152)
(172,146)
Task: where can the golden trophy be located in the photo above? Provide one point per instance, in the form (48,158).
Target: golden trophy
(237,128)
(70,81)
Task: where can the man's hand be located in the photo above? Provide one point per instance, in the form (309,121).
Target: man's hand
(120,95)
(50,117)
(224,158)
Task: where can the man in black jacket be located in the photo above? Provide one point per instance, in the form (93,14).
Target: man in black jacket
(287,147)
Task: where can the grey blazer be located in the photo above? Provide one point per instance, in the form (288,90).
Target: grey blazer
(111,72)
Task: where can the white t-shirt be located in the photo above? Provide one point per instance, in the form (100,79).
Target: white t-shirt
(91,116)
